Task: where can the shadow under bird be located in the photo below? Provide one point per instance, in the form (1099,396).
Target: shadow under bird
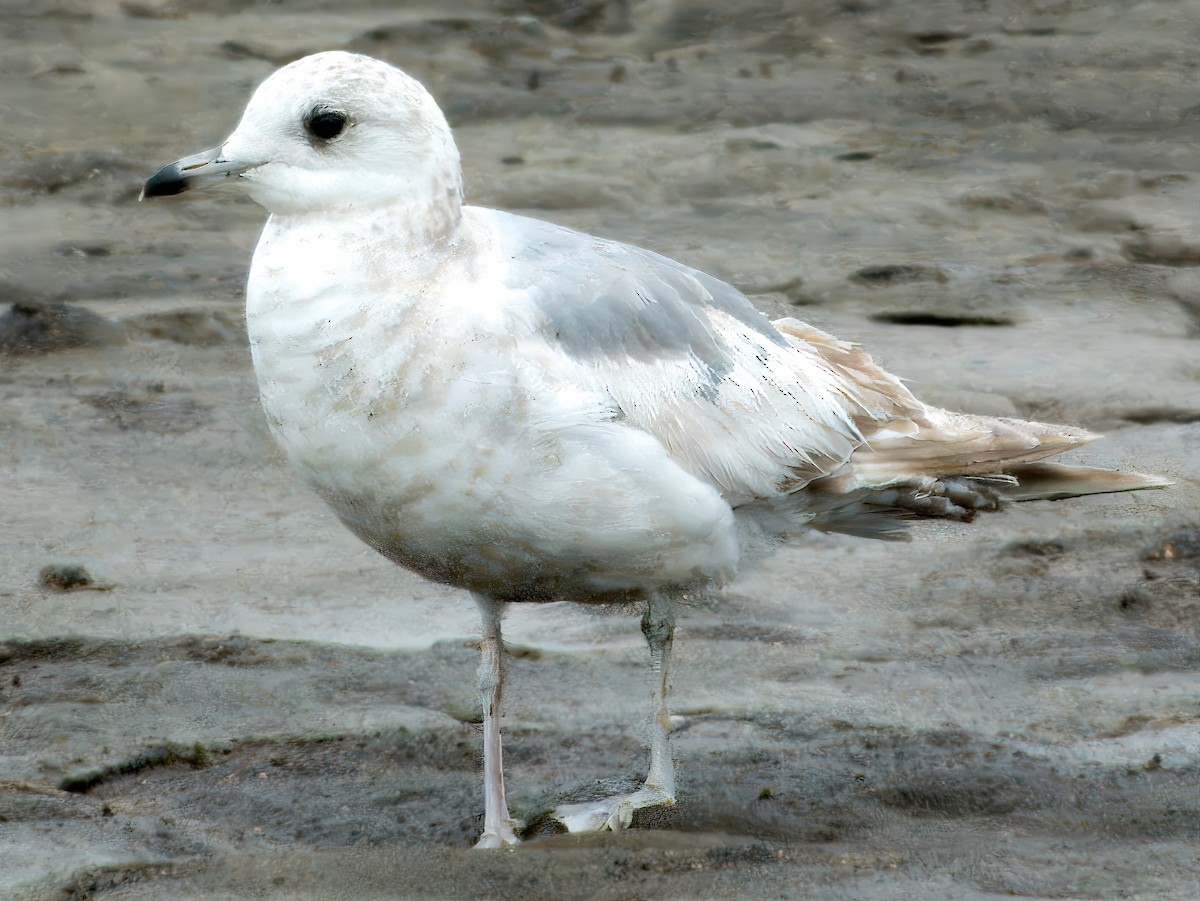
(533,414)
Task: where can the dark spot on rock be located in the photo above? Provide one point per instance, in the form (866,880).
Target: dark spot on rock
(1152,415)
(83,782)
(957,793)
(241,50)
(1035,548)
(231,651)
(523,652)
(793,289)
(1016,202)
(513,160)
(65,577)
(49,649)
(1045,32)
(543,824)
(576,15)
(750,144)
(205,327)
(52,172)
(898,273)
(27,327)
(1134,723)
(1163,249)
(927,38)
(1133,599)
(940,320)
(149,11)
(856,156)
(152,410)
(71,249)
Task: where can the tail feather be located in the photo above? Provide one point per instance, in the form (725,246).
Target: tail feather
(950,445)
(1055,481)
(918,460)
(885,513)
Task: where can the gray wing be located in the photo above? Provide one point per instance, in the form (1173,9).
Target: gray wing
(685,357)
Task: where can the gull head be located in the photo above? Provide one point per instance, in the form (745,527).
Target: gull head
(331,131)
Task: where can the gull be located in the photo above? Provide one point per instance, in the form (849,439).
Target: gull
(533,414)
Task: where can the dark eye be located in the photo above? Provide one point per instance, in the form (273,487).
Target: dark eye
(325,124)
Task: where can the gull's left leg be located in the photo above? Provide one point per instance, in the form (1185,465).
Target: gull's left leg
(658,625)
(497,827)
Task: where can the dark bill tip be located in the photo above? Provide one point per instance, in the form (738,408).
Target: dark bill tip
(166,182)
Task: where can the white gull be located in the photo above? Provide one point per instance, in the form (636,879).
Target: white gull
(534,414)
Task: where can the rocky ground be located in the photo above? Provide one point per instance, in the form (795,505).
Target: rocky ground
(209,691)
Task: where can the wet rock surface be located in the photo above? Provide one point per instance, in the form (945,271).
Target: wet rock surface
(209,690)
(28,328)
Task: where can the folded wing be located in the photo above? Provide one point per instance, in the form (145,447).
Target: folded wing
(758,409)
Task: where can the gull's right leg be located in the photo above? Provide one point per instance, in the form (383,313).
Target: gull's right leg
(658,626)
(497,827)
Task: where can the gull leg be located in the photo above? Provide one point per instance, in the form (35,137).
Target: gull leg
(497,827)
(658,625)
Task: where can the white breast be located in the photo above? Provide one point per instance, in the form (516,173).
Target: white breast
(433,424)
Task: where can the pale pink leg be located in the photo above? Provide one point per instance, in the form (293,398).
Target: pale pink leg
(658,625)
(497,827)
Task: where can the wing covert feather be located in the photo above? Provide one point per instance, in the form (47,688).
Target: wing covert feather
(686,358)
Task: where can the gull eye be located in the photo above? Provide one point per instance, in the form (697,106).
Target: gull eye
(325,124)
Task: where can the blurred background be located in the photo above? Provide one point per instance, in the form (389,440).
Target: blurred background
(209,690)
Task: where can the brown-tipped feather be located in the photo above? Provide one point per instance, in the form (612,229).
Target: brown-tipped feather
(1054,481)
(907,440)
(957,444)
